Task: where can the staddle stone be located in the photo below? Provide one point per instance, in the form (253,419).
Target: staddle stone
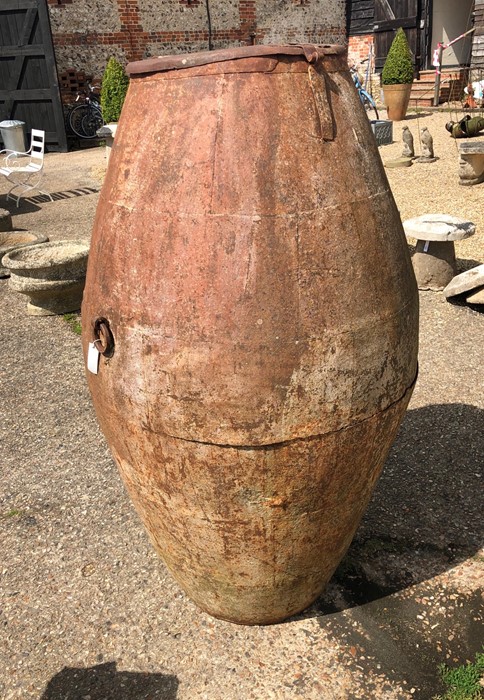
(434,261)
(465,282)
(439,227)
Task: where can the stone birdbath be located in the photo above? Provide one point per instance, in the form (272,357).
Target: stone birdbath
(51,274)
(434,261)
(11,240)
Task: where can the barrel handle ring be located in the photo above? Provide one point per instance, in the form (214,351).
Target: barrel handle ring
(103,337)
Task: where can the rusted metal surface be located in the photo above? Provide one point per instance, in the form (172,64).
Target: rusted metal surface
(102,337)
(310,52)
(251,263)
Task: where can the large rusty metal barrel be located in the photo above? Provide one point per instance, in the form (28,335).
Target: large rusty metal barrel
(250,287)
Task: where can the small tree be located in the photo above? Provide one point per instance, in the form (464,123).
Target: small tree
(398,68)
(113,91)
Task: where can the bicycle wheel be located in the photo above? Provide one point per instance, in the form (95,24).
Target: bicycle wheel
(91,122)
(85,120)
(369,104)
(76,115)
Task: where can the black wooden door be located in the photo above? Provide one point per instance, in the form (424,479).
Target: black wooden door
(389,16)
(29,87)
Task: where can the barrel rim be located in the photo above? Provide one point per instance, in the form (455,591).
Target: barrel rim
(311,52)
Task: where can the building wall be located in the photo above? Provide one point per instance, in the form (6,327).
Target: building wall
(477,61)
(359,47)
(358,53)
(87,33)
(449,23)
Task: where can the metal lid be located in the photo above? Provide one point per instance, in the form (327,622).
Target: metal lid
(11,123)
(311,52)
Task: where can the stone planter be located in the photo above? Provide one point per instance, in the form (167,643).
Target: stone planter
(11,240)
(396,99)
(471,162)
(51,274)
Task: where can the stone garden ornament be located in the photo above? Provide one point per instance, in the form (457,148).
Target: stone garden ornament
(408,147)
(427,144)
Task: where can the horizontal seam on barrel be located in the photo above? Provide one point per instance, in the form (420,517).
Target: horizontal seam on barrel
(283,443)
(177,74)
(333,332)
(236,215)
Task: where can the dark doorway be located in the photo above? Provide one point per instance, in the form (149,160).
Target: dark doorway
(29,88)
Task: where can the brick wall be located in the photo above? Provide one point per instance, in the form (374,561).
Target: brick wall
(87,33)
(358,47)
(358,51)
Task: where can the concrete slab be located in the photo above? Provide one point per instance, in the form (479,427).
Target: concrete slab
(465,282)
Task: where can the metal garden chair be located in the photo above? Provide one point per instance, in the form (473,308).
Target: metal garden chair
(23,174)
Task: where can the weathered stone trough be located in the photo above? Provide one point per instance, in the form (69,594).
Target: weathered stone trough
(51,274)
(11,240)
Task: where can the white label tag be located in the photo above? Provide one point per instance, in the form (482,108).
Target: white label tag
(426,246)
(93,358)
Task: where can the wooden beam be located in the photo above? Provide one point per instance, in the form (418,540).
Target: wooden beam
(387,24)
(9,5)
(15,95)
(32,50)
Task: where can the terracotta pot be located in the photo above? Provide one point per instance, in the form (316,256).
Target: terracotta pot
(396,99)
(262,360)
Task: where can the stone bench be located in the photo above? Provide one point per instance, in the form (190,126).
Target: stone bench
(471,162)
(434,261)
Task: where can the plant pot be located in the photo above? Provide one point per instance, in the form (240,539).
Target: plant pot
(11,240)
(51,274)
(396,99)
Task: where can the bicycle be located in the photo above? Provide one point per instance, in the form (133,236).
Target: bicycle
(365,98)
(86,118)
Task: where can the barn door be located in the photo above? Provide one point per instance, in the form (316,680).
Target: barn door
(389,16)
(29,88)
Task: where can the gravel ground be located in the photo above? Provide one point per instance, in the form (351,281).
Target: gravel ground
(88,610)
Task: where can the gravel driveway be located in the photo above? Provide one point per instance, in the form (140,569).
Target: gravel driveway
(88,610)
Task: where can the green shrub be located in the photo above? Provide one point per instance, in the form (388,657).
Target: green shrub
(113,91)
(398,68)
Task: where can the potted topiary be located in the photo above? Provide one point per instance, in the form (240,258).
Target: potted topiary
(397,77)
(114,87)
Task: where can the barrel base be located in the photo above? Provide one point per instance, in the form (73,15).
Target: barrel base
(253,535)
